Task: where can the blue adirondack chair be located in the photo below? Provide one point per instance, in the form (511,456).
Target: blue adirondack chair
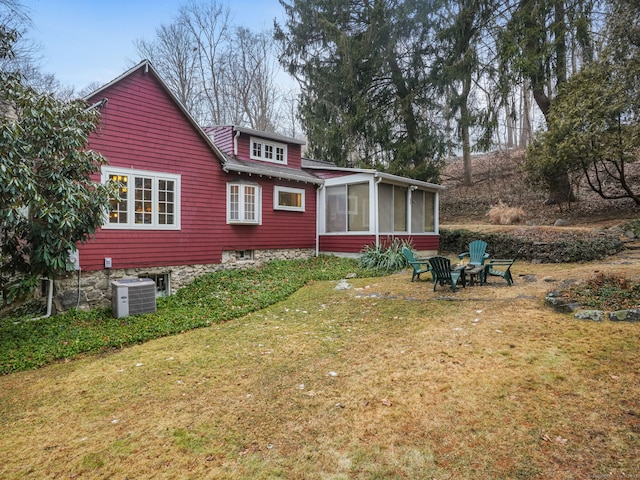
(418,265)
(442,273)
(477,253)
(504,269)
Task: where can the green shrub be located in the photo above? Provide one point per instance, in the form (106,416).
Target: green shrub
(563,249)
(632,226)
(386,257)
(607,292)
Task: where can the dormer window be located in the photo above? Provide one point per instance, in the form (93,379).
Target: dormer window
(268,151)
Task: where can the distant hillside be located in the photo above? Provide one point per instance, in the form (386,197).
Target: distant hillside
(498,177)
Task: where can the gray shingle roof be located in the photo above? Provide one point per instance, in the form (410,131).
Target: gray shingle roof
(267,170)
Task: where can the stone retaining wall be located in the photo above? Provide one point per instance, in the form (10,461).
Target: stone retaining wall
(93,289)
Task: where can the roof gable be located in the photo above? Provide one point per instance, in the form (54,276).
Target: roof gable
(148,69)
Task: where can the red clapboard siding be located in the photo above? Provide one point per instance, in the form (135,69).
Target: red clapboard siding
(279,229)
(355,243)
(422,242)
(143,128)
(345,243)
(222,137)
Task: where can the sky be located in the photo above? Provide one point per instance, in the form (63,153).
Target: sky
(85,41)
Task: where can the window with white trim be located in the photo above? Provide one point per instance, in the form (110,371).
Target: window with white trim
(146,200)
(163,282)
(285,198)
(268,151)
(347,208)
(423,211)
(392,208)
(244,203)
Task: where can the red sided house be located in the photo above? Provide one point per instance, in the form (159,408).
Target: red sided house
(196,200)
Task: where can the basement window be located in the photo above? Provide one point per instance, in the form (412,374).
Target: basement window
(244,255)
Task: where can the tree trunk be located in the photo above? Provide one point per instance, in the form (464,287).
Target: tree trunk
(466,148)
(525,116)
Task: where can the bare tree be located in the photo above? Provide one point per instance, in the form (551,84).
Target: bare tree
(25,55)
(173,53)
(221,73)
(289,118)
(252,80)
(208,27)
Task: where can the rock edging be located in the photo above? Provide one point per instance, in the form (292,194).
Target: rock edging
(561,302)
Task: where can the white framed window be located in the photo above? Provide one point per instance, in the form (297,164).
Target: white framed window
(423,211)
(268,151)
(244,203)
(146,200)
(244,255)
(285,198)
(347,208)
(392,208)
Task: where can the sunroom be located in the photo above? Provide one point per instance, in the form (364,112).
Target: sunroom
(371,208)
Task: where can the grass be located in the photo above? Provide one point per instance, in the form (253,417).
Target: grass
(384,380)
(220,296)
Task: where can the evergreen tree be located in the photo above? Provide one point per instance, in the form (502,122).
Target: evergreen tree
(458,67)
(363,68)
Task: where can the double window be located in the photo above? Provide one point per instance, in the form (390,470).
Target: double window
(146,200)
(244,203)
(268,151)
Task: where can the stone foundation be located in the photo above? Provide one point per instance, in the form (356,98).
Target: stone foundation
(93,289)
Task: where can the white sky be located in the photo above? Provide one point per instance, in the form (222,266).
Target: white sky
(86,41)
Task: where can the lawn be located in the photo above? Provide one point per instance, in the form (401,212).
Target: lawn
(384,380)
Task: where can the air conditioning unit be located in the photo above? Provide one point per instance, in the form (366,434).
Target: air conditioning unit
(132,297)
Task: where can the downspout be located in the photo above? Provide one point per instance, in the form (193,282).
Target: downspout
(235,143)
(318,192)
(49,301)
(376,220)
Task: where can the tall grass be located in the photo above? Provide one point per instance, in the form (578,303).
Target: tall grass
(502,214)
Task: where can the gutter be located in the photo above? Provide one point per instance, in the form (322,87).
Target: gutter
(235,143)
(318,193)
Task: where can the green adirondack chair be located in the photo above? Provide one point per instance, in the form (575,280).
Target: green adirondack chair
(419,265)
(504,269)
(477,253)
(442,273)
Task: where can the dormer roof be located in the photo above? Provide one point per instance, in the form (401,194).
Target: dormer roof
(250,167)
